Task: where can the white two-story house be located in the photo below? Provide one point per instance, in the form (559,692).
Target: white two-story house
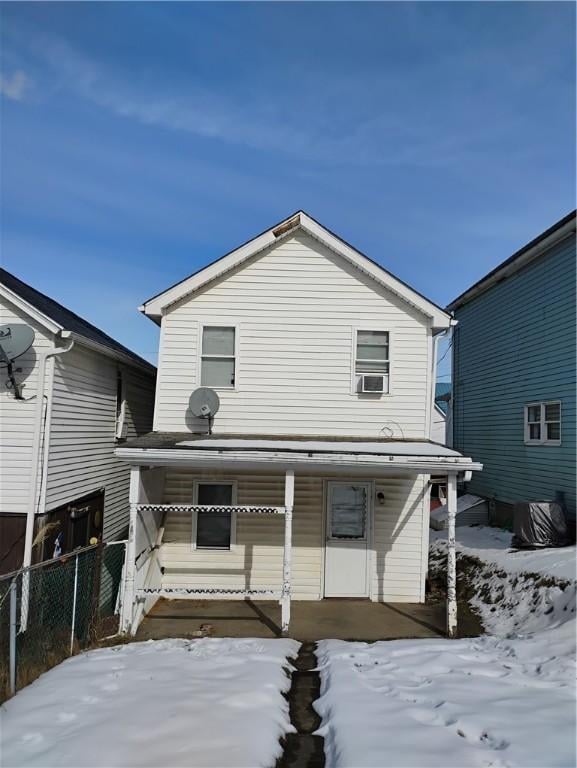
(312,478)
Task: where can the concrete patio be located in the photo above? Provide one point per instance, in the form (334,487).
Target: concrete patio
(341,619)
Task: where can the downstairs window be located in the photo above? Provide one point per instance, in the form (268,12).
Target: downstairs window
(214,527)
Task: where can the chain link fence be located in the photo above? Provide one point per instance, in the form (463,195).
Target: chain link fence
(55,609)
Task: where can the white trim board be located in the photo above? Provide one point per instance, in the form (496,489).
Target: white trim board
(158,305)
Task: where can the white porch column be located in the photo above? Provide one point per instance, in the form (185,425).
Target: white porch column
(127,611)
(451,556)
(289,488)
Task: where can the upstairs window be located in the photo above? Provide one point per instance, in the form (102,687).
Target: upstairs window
(218,357)
(543,423)
(372,357)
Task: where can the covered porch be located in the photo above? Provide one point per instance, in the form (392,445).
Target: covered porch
(347,619)
(312,519)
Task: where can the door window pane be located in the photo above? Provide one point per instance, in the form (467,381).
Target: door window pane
(348,512)
(213,528)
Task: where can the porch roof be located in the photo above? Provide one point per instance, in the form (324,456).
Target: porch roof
(169,448)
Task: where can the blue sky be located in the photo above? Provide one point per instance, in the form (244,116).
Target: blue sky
(142,140)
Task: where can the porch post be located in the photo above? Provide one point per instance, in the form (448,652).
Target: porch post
(127,610)
(289,487)
(451,556)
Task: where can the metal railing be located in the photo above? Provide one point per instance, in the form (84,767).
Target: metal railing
(56,608)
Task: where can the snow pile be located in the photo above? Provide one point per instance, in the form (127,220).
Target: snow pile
(514,592)
(209,702)
(475,702)
(494,545)
(505,699)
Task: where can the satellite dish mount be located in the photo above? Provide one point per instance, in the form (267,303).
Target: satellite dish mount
(204,403)
(15,340)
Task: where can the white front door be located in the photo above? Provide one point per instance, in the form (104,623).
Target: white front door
(347,535)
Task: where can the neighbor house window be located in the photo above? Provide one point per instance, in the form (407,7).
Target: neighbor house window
(218,356)
(214,526)
(372,355)
(543,423)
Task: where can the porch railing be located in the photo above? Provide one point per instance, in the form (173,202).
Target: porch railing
(202,592)
(239,509)
(139,588)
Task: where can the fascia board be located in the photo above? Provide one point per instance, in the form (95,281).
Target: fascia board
(157,306)
(30,310)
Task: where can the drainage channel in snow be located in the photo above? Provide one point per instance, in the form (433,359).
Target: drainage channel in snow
(304,749)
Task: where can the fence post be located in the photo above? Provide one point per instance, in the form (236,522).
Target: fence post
(74,606)
(13,597)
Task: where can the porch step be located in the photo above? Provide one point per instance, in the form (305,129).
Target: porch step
(303,749)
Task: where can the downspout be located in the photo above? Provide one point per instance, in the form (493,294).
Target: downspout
(36,445)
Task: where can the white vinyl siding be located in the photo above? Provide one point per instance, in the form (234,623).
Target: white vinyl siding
(83,432)
(255,560)
(17,416)
(296,308)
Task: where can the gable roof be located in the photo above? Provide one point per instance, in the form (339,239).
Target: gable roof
(156,306)
(537,247)
(57,318)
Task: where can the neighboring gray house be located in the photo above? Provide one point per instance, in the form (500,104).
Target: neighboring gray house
(81,394)
(514,373)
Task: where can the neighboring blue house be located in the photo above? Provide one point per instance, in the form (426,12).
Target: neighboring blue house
(514,374)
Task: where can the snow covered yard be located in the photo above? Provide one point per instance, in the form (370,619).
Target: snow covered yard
(209,702)
(504,699)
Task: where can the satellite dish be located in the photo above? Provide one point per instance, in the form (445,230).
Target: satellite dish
(15,340)
(204,403)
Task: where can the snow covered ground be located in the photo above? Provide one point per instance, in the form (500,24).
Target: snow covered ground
(516,592)
(504,699)
(493,545)
(477,702)
(209,702)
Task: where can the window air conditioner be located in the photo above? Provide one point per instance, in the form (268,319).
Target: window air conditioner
(373,384)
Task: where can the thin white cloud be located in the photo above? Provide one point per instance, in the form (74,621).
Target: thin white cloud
(14,86)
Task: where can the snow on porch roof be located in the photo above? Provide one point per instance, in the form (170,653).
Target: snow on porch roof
(298,449)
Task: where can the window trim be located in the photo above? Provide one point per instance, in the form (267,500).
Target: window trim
(214,481)
(356,376)
(211,324)
(543,440)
